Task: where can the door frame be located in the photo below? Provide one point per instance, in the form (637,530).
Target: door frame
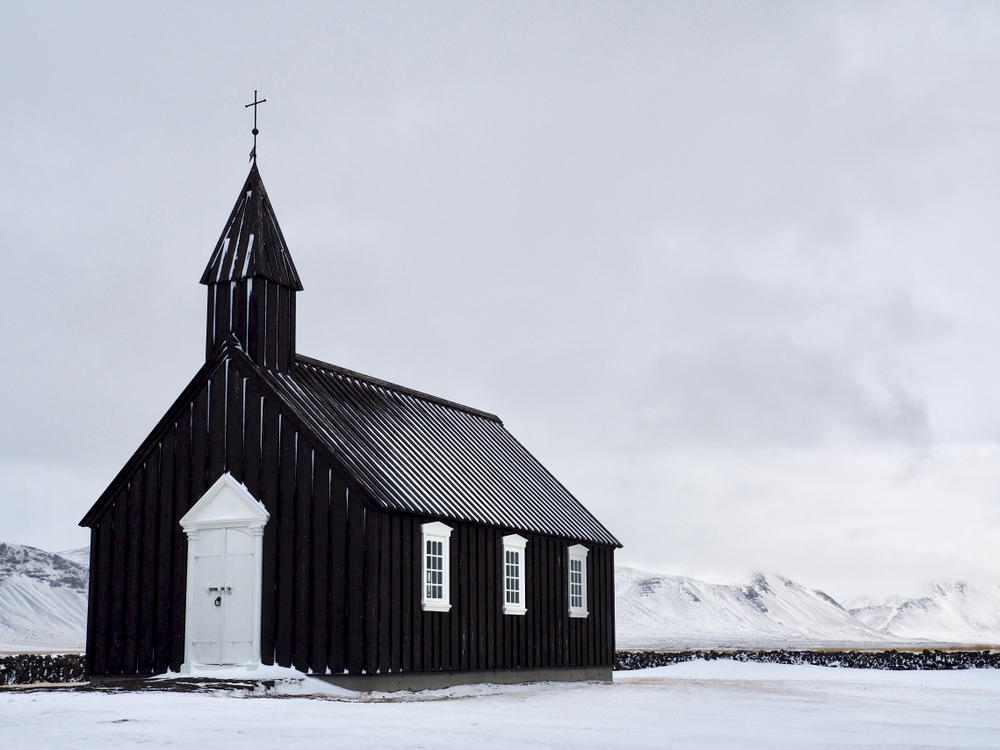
(227,504)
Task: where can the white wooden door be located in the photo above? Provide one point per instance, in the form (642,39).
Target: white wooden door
(223,607)
(237,601)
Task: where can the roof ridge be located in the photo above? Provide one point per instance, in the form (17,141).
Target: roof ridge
(398,388)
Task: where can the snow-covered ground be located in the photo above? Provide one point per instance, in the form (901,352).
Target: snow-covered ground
(714,705)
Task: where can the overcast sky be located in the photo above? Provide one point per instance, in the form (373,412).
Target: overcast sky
(730,270)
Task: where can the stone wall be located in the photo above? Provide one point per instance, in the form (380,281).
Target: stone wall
(27,669)
(625,660)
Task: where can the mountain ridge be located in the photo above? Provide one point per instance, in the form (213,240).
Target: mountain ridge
(43,607)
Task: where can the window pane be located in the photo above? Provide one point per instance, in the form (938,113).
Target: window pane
(435,569)
(512,576)
(576,583)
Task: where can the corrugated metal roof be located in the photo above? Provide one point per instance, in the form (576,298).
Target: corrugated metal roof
(420,454)
(251,245)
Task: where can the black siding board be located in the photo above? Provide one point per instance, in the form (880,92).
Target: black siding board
(320,529)
(147,590)
(222,321)
(286,545)
(597,619)
(445,618)
(505,629)
(100,595)
(338,573)
(119,546)
(455,624)
(239,311)
(535,610)
(546,609)
(371,593)
(284,356)
(255,320)
(409,589)
(492,539)
(474,593)
(270,483)
(418,613)
(92,603)
(178,565)
(520,629)
(608,644)
(461,535)
(303,553)
(217,427)
(252,435)
(210,328)
(133,571)
(270,324)
(356,583)
(235,406)
(291,329)
(396,595)
(427,641)
(199,441)
(561,601)
(164,556)
(434,661)
(384,593)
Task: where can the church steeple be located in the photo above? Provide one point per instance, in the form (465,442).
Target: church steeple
(252,282)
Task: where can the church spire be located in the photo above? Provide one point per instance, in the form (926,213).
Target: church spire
(252,282)
(252,245)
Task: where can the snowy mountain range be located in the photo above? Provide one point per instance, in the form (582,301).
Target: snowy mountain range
(43,607)
(954,613)
(770,611)
(43,599)
(764,611)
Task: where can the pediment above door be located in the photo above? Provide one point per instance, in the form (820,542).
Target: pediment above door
(227,503)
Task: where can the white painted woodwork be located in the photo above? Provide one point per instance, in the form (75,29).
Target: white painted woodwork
(225,531)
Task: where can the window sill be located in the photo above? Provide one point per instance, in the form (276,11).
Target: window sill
(579,613)
(435,607)
(512,610)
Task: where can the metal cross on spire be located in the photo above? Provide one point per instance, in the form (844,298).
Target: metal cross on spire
(254,103)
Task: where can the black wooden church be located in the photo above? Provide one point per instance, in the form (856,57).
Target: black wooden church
(287,511)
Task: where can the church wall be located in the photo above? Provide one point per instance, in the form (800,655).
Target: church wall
(341,588)
(137,597)
(475,634)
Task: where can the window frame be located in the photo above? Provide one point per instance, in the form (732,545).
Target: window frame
(514,543)
(436,531)
(578,553)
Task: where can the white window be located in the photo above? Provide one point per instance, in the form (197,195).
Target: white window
(435,543)
(578,581)
(513,575)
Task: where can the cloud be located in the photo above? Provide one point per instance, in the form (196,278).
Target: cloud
(758,392)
